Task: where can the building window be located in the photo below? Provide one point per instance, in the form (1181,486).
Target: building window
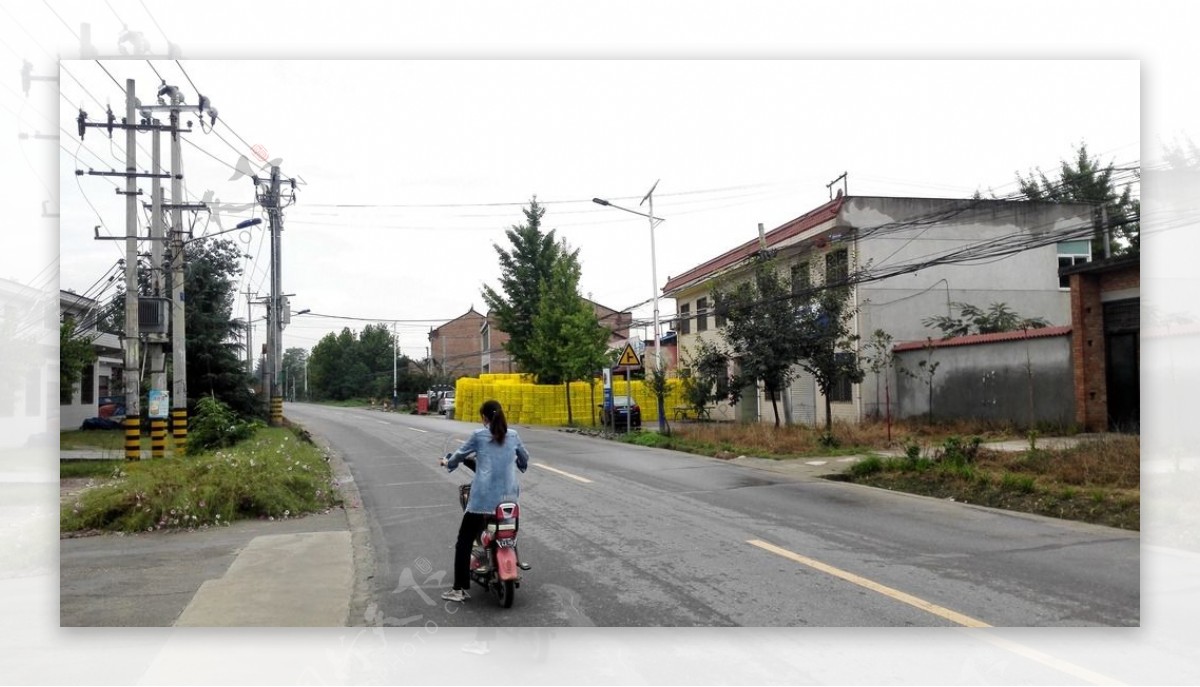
(685,321)
(702,315)
(1072,253)
(837,265)
(843,389)
(87,385)
(801,278)
(719,315)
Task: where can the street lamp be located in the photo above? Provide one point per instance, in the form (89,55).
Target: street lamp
(654,222)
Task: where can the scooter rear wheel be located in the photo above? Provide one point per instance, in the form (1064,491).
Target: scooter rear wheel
(506,590)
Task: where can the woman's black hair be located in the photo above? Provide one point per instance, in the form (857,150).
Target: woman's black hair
(494,415)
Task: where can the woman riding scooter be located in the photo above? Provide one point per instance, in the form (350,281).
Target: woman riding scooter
(499,453)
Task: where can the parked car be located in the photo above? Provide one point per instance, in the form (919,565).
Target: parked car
(447,405)
(624,413)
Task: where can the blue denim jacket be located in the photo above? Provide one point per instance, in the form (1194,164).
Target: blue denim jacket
(495,477)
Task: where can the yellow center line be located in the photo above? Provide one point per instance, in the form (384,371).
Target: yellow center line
(577,478)
(940,611)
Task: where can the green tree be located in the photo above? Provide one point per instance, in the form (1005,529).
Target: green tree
(375,350)
(972,320)
(214,365)
(762,329)
(705,375)
(75,353)
(827,343)
(1085,180)
(292,366)
(568,342)
(523,270)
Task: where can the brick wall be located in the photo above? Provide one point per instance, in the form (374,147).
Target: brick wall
(456,346)
(1087,345)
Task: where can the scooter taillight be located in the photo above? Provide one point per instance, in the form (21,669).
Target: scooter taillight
(506,517)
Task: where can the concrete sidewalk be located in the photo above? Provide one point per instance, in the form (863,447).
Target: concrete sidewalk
(309,571)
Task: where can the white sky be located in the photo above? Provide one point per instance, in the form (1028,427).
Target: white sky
(444,154)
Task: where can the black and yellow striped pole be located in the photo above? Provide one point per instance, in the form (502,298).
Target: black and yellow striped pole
(179,427)
(133,439)
(158,437)
(276,411)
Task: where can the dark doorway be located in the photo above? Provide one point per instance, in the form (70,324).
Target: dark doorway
(1122,364)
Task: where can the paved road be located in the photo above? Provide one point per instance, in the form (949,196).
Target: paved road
(628,536)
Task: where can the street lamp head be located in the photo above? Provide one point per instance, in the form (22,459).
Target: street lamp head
(248,223)
(303,312)
(600,201)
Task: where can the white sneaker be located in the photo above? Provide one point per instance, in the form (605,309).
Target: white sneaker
(479,648)
(456,595)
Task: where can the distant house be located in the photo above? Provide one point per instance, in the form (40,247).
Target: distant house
(455,346)
(28,363)
(923,255)
(100,379)
(473,343)
(1106,343)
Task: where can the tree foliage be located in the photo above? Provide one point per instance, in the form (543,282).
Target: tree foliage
(568,342)
(1085,180)
(972,320)
(351,364)
(827,343)
(761,329)
(75,354)
(705,375)
(214,365)
(523,270)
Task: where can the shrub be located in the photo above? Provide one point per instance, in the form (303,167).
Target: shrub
(1019,483)
(867,466)
(215,425)
(275,476)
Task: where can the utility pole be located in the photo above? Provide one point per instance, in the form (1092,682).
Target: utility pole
(174,105)
(132,376)
(132,334)
(277,313)
(395,354)
(249,334)
(158,367)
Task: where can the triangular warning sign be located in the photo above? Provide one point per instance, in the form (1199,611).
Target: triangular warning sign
(629,358)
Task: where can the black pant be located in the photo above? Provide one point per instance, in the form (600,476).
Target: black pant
(472,525)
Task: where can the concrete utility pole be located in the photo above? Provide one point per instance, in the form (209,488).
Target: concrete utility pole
(132,376)
(277,305)
(249,333)
(174,105)
(132,341)
(158,367)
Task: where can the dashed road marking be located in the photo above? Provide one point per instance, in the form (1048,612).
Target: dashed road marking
(940,611)
(577,478)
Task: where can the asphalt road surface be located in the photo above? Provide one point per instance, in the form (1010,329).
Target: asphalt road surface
(625,536)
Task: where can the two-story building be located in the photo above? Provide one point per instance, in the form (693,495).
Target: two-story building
(911,259)
(98,379)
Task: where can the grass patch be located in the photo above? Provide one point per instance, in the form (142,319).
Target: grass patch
(273,475)
(89,468)
(104,439)
(1097,481)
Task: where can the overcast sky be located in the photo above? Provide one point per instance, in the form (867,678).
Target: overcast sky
(409,171)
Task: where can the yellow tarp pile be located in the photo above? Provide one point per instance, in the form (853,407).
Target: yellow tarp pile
(527,403)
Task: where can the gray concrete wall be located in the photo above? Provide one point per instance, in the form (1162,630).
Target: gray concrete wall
(1026,281)
(1013,381)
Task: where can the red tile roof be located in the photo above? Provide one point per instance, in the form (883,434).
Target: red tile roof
(797,226)
(984,338)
